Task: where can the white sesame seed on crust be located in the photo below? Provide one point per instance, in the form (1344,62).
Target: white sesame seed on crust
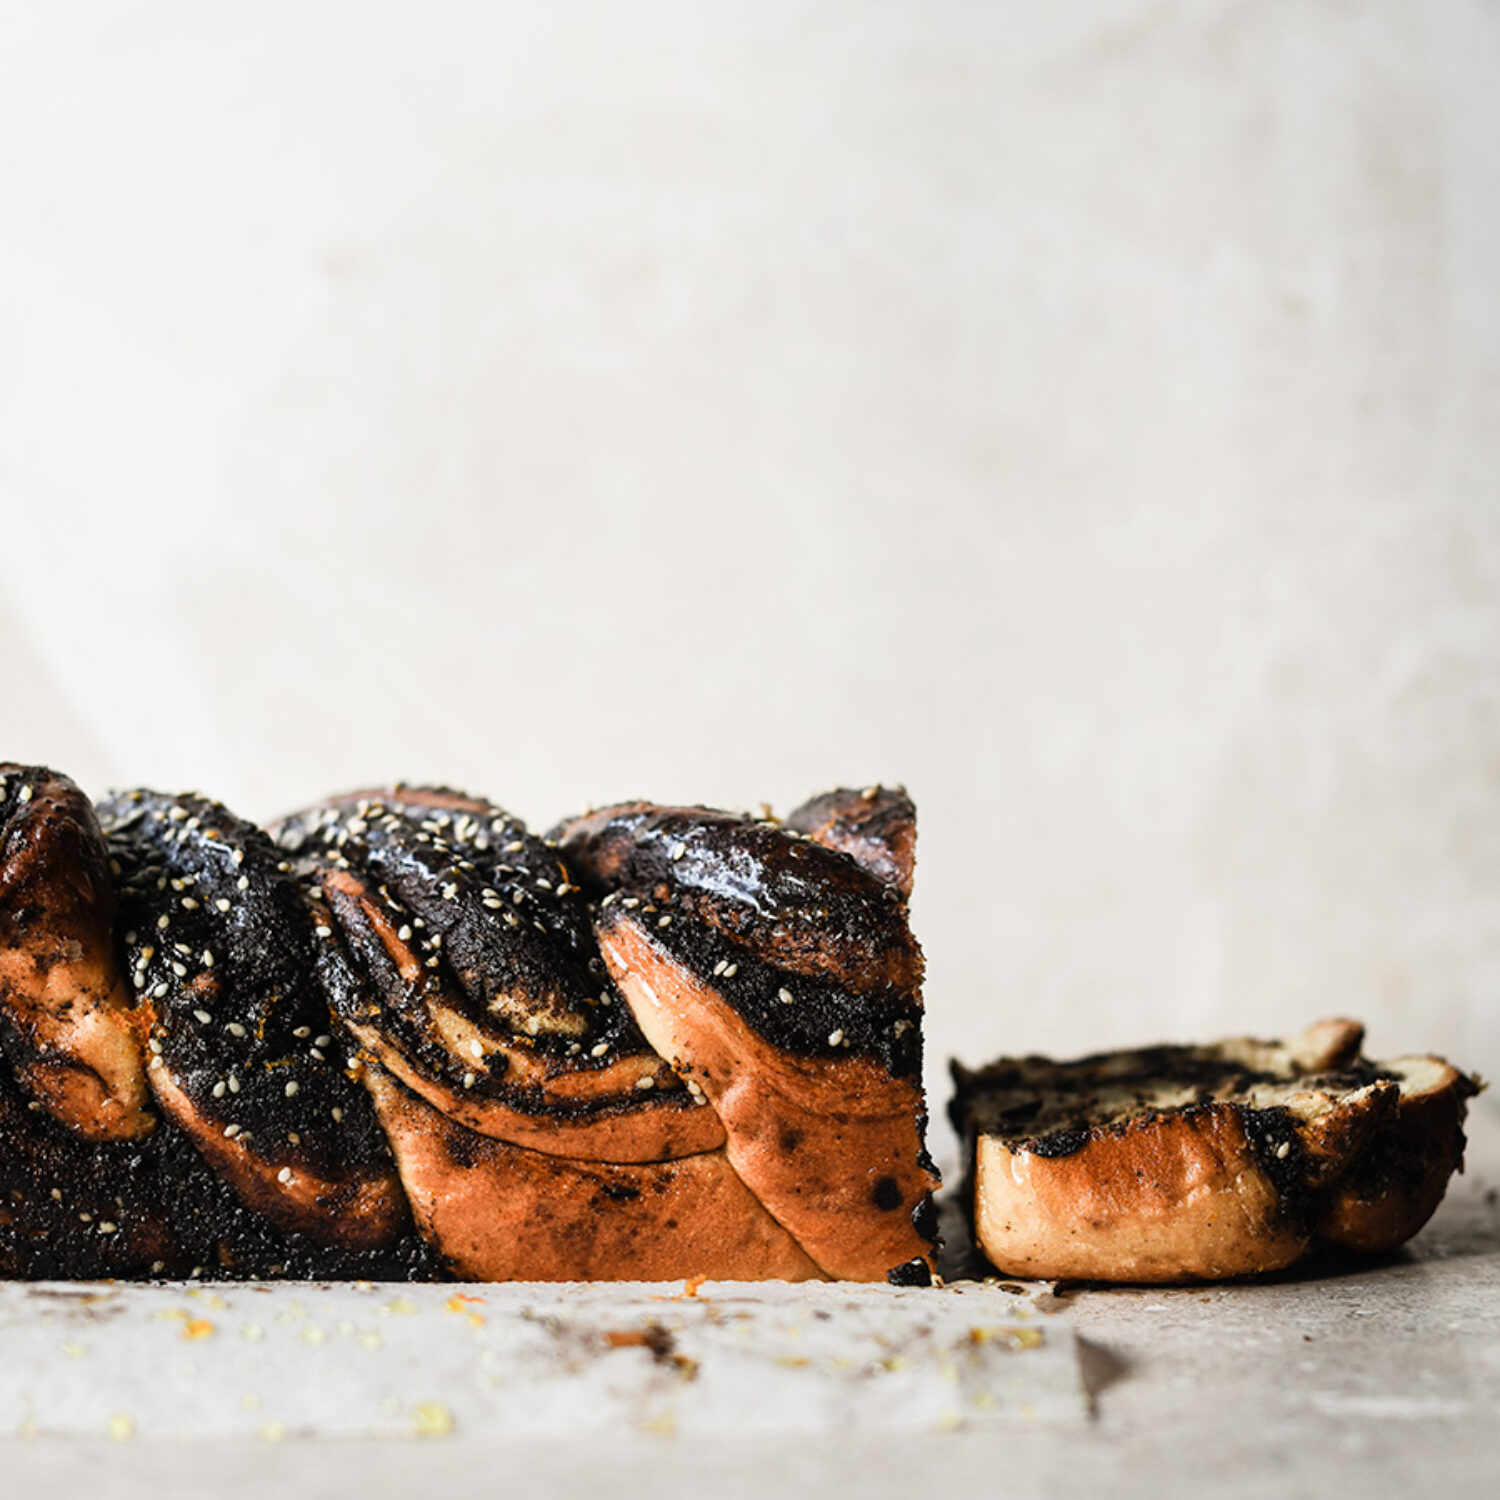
(835,1037)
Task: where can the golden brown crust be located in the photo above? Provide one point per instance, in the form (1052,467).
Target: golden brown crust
(1177,1198)
(65,1007)
(498,1212)
(831,1146)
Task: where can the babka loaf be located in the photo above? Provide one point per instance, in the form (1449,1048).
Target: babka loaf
(1190,1163)
(397,1035)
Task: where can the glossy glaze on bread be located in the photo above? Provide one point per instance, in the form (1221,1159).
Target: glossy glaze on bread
(394,1036)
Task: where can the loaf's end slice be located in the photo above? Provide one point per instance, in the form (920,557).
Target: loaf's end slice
(1168,1164)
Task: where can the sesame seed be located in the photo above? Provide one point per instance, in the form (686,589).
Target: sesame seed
(1282,1150)
(208,958)
(785,996)
(162,923)
(476,1047)
(234,1085)
(105,1227)
(188,904)
(301,1031)
(316,892)
(337,1113)
(647,1082)
(322,1041)
(630,901)
(600,1050)
(678,850)
(323,931)
(24,795)
(517,897)
(235,1029)
(222,902)
(469,1080)
(292,1087)
(155,1046)
(731,971)
(243,883)
(231,1131)
(219,1089)
(284,1175)
(719,967)
(202,1016)
(664,922)
(404,933)
(835,1037)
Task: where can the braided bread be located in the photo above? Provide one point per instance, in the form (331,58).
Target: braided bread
(396,1035)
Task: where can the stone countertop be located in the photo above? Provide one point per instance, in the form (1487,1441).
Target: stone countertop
(1375,1379)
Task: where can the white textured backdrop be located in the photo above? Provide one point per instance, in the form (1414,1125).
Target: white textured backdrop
(1089,415)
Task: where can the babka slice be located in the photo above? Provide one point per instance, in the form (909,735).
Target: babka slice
(1188,1163)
